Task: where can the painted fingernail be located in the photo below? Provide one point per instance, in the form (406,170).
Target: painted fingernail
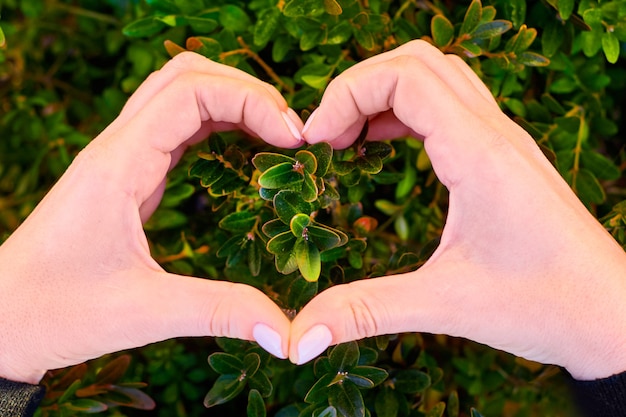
(269,340)
(314,342)
(309,121)
(292,127)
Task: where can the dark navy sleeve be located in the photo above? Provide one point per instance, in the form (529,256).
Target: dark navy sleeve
(602,397)
(18,399)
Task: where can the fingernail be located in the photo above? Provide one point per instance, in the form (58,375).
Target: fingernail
(269,340)
(292,127)
(309,121)
(314,342)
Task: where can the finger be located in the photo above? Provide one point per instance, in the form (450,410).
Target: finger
(394,304)
(177,113)
(175,306)
(471,76)
(184,63)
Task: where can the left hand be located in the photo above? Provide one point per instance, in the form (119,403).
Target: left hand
(77,279)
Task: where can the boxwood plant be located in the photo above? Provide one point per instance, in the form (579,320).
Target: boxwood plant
(295,222)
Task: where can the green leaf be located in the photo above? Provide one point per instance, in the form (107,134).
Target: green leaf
(339,34)
(234,18)
(386,403)
(251,364)
(296,8)
(209,171)
(255,256)
(282,243)
(599,165)
(470,49)
(323,154)
(231,246)
(565,8)
(165,218)
(260,382)
(266,25)
(343,167)
(86,405)
(145,27)
(491,29)
(516,10)
(347,399)
(274,227)
(344,356)
(202,24)
(364,37)
(411,381)
(437,410)
(3,39)
(329,411)
(371,164)
(286,263)
(332,7)
(323,237)
(453,404)
(319,391)
(113,370)
(308,160)
(299,224)
(241,221)
(225,363)
(224,389)
(308,259)
(588,188)
(256,405)
(610,46)
(472,17)
(532,59)
(289,203)
(318,82)
(309,189)
(280,176)
(475,413)
(372,373)
(442,30)
(228,183)
(266,160)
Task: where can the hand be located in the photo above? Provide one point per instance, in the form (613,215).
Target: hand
(77,277)
(522,265)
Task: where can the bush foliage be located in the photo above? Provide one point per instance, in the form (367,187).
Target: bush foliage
(293,223)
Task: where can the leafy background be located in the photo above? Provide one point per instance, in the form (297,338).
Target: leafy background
(67,67)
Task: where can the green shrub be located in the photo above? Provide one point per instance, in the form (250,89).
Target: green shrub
(235,208)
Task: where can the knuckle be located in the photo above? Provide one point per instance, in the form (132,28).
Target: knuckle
(362,320)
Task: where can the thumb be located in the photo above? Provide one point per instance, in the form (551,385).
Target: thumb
(401,303)
(179,306)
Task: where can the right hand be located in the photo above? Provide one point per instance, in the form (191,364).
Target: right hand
(522,265)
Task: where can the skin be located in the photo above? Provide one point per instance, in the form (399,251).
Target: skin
(78,280)
(522,265)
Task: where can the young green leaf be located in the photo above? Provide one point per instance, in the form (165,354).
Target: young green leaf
(251,364)
(442,30)
(319,391)
(472,17)
(274,227)
(281,243)
(307,160)
(296,8)
(371,373)
(332,7)
(288,204)
(226,388)
(266,160)
(309,190)
(308,259)
(299,224)
(323,154)
(492,29)
(209,171)
(260,382)
(282,175)
(225,363)
(610,46)
(239,221)
(256,405)
(145,27)
(347,399)
(344,356)
(323,237)
(265,26)
(411,381)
